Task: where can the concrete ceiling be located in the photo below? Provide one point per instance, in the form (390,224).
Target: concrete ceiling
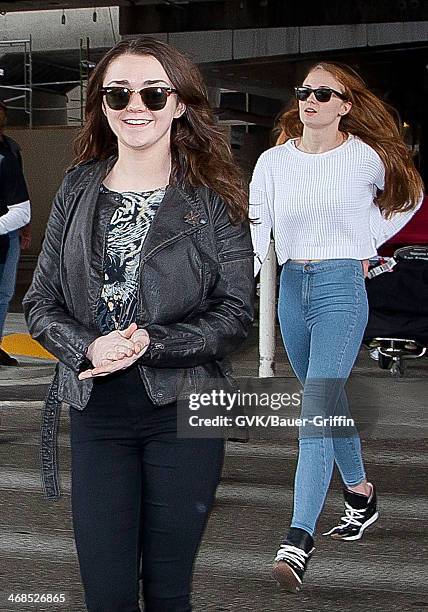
(26,5)
(272,76)
(268,80)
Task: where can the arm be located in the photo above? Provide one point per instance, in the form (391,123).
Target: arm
(45,310)
(25,236)
(260,211)
(383,229)
(17,216)
(13,191)
(13,194)
(218,331)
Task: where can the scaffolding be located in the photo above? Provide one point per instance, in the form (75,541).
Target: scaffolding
(84,67)
(25,45)
(27,87)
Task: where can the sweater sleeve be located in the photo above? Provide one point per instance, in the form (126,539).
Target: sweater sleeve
(261,211)
(383,229)
(17,216)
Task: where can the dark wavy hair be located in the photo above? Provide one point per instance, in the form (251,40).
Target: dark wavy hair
(200,151)
(375,123)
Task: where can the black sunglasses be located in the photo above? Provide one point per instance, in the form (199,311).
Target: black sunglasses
(154,98)
(322,94)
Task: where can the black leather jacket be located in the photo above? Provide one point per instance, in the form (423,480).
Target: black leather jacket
(195,295)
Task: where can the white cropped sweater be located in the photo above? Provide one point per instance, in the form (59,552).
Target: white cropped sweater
(320,205)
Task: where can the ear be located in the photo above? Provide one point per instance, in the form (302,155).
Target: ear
(345,108)
(180,110)
(103,107)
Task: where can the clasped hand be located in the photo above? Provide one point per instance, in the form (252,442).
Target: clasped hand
(116,351)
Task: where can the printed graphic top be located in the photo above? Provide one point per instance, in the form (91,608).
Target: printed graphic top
(131,216)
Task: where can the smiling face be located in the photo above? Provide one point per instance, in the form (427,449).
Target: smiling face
(317,115)
(136,127)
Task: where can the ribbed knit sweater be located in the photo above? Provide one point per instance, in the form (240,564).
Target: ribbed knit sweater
(320,205)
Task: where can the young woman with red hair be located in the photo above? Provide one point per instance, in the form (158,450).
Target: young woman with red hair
(339,183)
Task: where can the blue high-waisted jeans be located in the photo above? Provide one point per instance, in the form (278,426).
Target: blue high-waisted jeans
(323,313)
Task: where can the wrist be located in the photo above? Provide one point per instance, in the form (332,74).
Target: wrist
(90,351)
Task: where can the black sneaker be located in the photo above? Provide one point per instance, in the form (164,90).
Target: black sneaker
(292,559)
(7,360)
(360,513)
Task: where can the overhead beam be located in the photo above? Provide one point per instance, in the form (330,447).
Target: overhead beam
(45,5)
(241,44)
(238,14)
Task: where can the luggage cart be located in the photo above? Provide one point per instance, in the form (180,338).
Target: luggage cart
(398,302)
(393,353)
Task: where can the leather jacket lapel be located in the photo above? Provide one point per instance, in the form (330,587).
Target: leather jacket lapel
(82,199)
(179,215)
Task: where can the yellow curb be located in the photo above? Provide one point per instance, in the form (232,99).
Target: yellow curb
(23,344)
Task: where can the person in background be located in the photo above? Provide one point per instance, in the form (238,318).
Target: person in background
(15,214)
(144,284)
(339,183)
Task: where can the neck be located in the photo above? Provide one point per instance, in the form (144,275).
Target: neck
(137,170)
(321,140)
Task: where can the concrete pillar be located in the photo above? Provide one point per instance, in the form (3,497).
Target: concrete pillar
(267,315)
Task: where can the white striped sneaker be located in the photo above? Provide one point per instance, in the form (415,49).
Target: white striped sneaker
(360,513)
(292,559)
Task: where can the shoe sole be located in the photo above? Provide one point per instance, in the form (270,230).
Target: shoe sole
(286,578)
(359,535)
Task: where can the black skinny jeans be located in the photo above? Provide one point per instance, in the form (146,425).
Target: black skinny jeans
(138,493)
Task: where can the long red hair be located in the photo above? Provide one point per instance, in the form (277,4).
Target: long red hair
(201,154)
(374,122)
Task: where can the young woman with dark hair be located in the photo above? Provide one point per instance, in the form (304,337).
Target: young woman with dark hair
(339,183)
(143,285)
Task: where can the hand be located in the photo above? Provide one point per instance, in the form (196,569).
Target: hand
(25,236)
(115,345)
(116,351)
(365,264)
(112,366)
(141,340)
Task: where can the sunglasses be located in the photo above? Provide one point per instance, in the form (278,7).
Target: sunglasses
(154,98)
(322,94)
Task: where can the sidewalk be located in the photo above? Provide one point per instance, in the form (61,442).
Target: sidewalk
(385,571)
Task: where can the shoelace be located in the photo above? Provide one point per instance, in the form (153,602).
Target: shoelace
(352,516)
(294,554)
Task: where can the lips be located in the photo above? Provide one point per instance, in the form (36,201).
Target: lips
(310,111)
